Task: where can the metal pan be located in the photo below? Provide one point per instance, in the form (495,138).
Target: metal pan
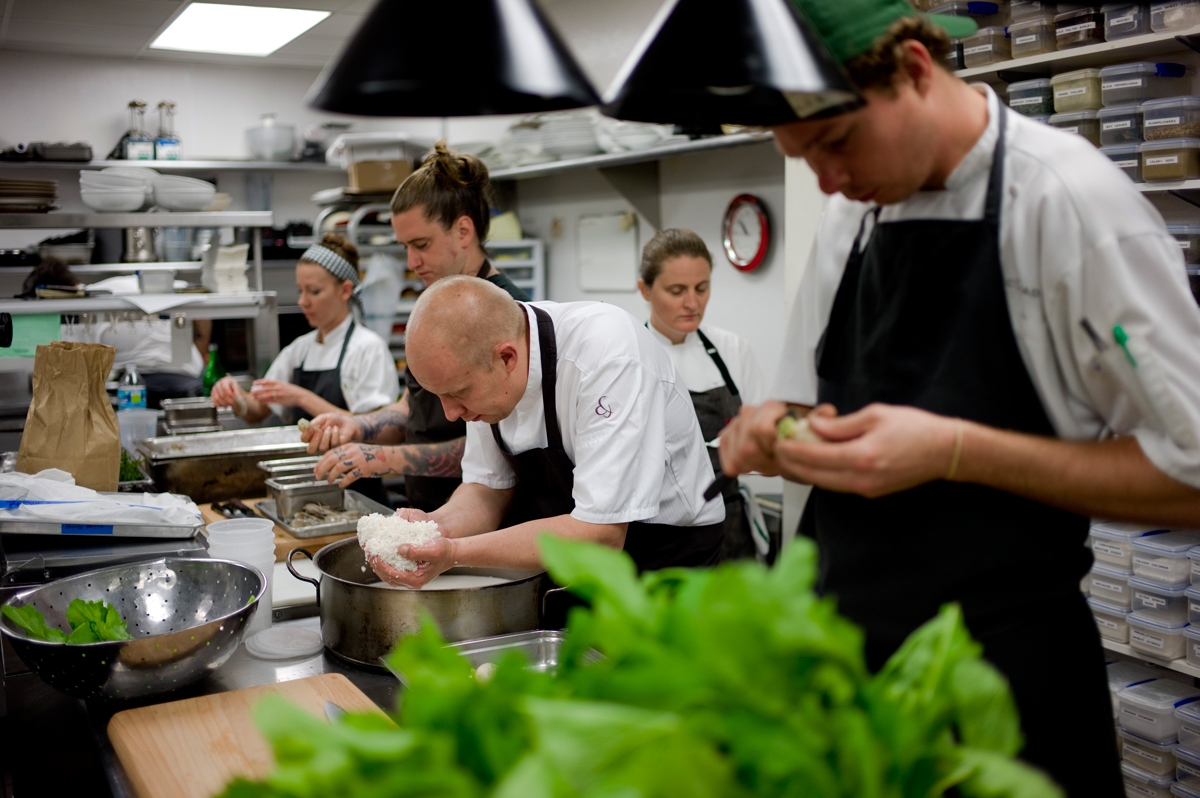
(351,500)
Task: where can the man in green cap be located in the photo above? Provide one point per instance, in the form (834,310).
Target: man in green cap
(996,331)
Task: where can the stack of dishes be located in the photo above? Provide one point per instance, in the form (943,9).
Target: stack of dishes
(183,193)
(28,196)
(570,135)
(118,189)
(626,136)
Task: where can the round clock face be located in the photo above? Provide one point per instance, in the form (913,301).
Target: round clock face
(746,232)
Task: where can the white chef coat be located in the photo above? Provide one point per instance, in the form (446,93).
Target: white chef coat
(698,371)
(626,421)
(1077,241)
(369,379)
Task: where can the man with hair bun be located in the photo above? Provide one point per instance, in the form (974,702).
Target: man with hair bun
(576,425)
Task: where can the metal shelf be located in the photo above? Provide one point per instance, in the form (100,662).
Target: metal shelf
(1135,47)
(1161,187)
(49,221)
(1179,665)
(199,306)
(184,166)
(117,268)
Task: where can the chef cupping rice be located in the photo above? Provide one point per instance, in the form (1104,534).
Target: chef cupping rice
(381,535)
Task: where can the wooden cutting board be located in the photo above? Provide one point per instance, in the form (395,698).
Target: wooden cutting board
(192,748)
(284,541)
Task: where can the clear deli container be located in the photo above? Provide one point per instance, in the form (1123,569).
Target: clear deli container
(1188,716)
(1078,28)
(1164,558)
(1077,91)
(1126,158)
(1188,238)
(1171,118)
(1126,674)
(1120,124)
(1032,36)
(1112,622)
(1174,14)
(1122,20)
(1156,640)
(1152,757)
(1110,585)
(1141,81)
(1022,10)
(1138,782)
(1148,709)
(1157,602)
(1031,97)
(1187,767)
(1191,636)
(1085,123)
(987,46)
(1111,541)
(1173,159)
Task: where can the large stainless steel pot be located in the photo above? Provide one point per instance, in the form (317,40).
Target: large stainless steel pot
(362,618)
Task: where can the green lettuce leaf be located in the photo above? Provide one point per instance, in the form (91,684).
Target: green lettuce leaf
(34,623)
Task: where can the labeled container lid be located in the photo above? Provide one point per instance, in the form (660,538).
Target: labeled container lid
(1186,230)
(1144,68)
(1110,151)
(1187,754)
(1174,591)
(1183,791)
(1193,591)
(1127,674)
(1073,116)
(1188,712)
(1169,144)
(963,9)
(1169,544)
(1170,103)
(1155,625)
(1192,633)
(1028,85)
(1108,570)
(1078,74)
(1106,608)
(1079,12)
(1119,530)
(1027,24)
(1121,110)
(1137,774)
(1162,748)
(1159,695)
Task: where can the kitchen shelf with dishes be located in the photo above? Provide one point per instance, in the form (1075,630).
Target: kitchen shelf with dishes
(211,165)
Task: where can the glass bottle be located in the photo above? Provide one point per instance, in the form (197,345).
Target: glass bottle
(139,145)
(214,371)
(167,146)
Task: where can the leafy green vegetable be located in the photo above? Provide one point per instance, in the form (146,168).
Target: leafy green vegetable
(736,681)
(91,622)
(131,468)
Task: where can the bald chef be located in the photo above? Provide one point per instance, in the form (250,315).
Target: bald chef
(577,426)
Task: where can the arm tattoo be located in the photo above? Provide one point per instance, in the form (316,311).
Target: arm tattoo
(434,459)
(386,424)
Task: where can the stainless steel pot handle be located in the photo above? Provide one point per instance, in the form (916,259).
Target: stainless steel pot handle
(308,579)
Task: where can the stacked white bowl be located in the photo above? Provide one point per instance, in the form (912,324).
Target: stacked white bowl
(569,135)
(117,189)
(183,193)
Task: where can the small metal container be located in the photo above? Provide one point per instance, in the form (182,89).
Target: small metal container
(351,500)
(291,493)
(289,466)
(190,412)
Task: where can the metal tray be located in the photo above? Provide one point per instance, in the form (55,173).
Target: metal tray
(291,493)
(289,466)
(541,648)
(351,500)
(27,527)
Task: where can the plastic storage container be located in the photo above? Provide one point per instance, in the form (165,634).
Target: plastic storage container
(1157,602)
(1148,708)
(1193,597)
(1110,585)
(1077,91)
(1188,237)
(984,14)
(1031,97)
(1112,622)
(1174,14)
(1122,20)
(1171,118)
(1187,769)
(1164,558)
(250,541)
(1125,157)
(1085,123)
(1194,558)
(1111,541)
(1173,159)
(1157,640)
(1120,124)
(1021,10)
(1155,758)
(1141,81)
(1140,783)
(1127,674)
(1191,636)
(1188,716)
(987,46)
(1032,37)
(1185,790)
(1080,27)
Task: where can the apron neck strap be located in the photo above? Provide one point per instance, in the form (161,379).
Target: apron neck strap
(548,344)
(718,361)
(995,189)
(345,346)
(484,269)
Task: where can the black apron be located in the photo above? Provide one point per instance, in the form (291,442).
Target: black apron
(921,319)
(427,422)
(546,481)
(327,384)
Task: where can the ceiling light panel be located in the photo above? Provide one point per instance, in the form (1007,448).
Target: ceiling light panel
(235,30)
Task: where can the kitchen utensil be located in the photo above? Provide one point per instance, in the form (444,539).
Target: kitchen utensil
(350,500)
(139,245)
(333,712)
(362,618)
(270,141)
(186,617)
(191,411)
(193,748)
(291,493)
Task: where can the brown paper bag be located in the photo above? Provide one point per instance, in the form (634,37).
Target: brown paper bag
(71,424)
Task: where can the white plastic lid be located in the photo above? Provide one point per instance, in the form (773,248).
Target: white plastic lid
(1187,755)
(1188,712)
(1136,68)
(1162,748)
(1073,116)
(1120,110)
(1149,585)
(1183,791)
(1159,695)
(1185,230)
(1170,103)
(284,642)
(1127,674)
(1027,85)
(1106,608)
(1078,74)
(1191,632)
(1137,774)
(1155,625)
(1119,530)
(1115,573)
(1170,144)
(1173,544)
(1116,150)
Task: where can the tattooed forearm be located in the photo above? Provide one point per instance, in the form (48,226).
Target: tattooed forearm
(383,426)
(427,459)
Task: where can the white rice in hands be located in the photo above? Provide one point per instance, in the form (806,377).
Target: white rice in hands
(381,535)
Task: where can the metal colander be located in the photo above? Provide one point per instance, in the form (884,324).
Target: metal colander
(186,616)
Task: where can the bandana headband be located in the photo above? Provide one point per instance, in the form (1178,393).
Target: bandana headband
(334,263)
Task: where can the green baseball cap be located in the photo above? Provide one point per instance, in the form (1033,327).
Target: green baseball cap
(850,27)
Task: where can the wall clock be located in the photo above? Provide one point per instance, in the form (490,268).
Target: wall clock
(746,232)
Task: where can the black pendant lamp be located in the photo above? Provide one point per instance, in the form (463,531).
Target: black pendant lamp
(422,58)
(750,62)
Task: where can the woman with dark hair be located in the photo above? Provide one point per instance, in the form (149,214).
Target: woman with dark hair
(717,366)
(441,214)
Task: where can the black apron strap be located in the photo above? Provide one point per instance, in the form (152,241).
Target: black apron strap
(716,359)
(484,269)
(549,357)
(345,346)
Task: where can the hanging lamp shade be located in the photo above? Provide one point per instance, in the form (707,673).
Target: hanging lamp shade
(748,62)
(471,57)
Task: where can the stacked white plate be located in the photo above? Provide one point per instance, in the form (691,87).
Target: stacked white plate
(28,195)
(117,189)
(183,193)
(570,135)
